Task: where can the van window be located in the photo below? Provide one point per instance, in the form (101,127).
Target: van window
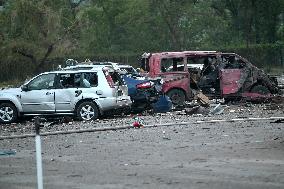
(233,62)
(144,64)
(172,64)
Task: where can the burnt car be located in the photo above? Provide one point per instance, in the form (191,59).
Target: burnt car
(223,75)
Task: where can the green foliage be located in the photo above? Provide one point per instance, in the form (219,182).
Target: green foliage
(34,33)
(261,55)
(35,29)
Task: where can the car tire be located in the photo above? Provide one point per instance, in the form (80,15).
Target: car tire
(260,89)
(87,111)
(177,96)
(8,113)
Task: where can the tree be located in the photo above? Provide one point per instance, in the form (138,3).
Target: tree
(255,21)
(35,29)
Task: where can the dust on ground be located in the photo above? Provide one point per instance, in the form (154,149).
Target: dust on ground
(239,154)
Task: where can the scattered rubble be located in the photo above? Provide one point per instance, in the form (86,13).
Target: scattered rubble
(204,100)
(218,109)
(7,152)
(197,110)
(192,112)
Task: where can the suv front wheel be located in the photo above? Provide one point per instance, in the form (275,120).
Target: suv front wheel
(8,113)
(87,111)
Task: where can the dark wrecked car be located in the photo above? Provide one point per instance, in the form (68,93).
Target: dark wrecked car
(128,70)
(223,75)
(147,94)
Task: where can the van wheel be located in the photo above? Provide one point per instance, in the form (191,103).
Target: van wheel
(8,113)
(260,89)
(177,96)
(87,111)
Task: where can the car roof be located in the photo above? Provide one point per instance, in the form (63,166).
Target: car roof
(93,69)
(183,53)
(93,65)
(188,53)
(124,65)
(70,71)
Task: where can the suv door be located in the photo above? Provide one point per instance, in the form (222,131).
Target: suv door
(72,87)
(65,93)
(39,96)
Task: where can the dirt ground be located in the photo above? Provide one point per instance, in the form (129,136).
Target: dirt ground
(235,154)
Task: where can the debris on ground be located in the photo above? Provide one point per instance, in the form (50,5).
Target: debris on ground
(7,152)
(278,121)
(218,109)
(277,99)
(138,122)
(196,110)
(202,99)
(192,111)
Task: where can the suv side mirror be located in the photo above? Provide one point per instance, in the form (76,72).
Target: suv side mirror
(25,88)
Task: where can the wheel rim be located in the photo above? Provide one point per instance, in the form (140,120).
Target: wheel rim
(6,113)
(87,112)
(176,98)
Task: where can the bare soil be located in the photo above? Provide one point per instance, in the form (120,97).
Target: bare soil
(236,154)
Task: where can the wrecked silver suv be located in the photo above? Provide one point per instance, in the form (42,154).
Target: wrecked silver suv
(85,94)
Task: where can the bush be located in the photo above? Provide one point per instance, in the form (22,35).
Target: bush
(266,56)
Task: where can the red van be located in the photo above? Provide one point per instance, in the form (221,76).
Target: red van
(216,74)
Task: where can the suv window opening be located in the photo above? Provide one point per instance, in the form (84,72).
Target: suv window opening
(45,81)
(116,78)
(78,80)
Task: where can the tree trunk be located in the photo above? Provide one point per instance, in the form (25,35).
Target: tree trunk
(40,67)
(172,25)
(25,54)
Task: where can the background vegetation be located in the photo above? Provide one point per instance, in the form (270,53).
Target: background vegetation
(37,35)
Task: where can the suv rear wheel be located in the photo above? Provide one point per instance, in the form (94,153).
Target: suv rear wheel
(8,113)
(87,111)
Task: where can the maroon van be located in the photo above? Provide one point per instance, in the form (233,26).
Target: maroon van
(216,74)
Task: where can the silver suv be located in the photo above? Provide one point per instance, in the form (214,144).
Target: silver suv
(83,93)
